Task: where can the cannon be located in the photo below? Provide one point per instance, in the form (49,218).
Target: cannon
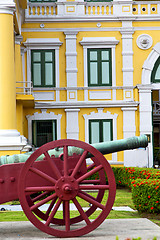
(59,176)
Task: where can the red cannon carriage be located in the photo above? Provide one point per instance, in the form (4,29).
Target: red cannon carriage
(60,174)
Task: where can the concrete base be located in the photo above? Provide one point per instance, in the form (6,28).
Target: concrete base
(109,229)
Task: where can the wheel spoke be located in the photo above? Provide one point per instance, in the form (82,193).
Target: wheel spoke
(65,158)
(79,163)
(91,166)
(53,212)
(87,198)
(90,173)
(51,206)
(52,165)
(82,213)
(42,174)
(43,202)
(94,187)
(39,189)
(40,196)
(67,215)
(91,181)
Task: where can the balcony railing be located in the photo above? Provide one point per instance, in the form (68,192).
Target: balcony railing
(24,88)
(59,9)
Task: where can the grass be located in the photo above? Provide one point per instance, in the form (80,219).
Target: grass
(123,198)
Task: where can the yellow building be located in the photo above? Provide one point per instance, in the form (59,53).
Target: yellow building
(87,70)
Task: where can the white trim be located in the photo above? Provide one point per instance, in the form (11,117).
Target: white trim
(43,116)
(99,42)
(72,123)
(89,104)
(101,115)
(94,41)
(7,7)
(81,29)
(43,43)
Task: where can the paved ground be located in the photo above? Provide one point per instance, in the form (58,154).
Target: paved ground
(109,229)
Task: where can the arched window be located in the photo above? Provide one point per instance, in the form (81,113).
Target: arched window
(155,76)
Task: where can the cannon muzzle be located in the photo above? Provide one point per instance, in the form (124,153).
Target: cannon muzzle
(121,145)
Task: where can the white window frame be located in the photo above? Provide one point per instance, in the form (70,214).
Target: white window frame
(43,116)
(99,42)
(101,115)
(42,44)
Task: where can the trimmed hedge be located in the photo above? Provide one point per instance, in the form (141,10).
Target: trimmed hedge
(144,184)
(146,195)
(125,175)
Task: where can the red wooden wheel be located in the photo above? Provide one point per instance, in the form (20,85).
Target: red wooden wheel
(66,184)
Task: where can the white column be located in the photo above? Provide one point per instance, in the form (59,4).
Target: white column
(71,64)
(129,130)
(145,112)
(72,124)
(127,58)
(129,126)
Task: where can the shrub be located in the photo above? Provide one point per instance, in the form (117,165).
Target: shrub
(146,195)
(125,175)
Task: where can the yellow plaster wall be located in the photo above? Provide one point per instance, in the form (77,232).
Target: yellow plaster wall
(8,152)
(20,117)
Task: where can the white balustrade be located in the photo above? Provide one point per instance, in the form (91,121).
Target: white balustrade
(97,9)
(41,9)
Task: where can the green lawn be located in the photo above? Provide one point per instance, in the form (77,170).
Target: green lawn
(123,198)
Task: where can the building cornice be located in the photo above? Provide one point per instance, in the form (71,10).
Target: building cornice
(97,104)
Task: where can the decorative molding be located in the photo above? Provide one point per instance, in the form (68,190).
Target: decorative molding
(46,96)
(98,41)
(101,115)
(83,104)
(18,39)
(43,116)
(101,95)
(149,64)
(144,41)
(45,43)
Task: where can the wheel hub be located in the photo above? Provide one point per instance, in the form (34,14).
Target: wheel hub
(66,188)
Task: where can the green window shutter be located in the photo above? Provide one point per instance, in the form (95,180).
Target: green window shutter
(43,131)
(43,68)
(155,76)
(99,67)
(100,130)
